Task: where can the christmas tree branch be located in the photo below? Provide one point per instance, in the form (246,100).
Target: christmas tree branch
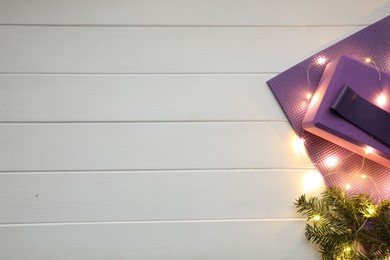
(347,226)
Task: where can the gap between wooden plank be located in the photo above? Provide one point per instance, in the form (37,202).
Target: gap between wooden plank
(138,73)
(144,122)
(184,26)
(203,12)
(152,222)
(151,170)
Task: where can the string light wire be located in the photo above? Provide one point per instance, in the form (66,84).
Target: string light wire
(322,61)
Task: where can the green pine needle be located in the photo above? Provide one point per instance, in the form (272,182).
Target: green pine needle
(347,227)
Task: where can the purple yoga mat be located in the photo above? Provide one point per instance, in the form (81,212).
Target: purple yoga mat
(291,87)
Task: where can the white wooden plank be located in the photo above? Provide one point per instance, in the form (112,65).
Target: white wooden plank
(174,241)
(39,49)
(147,146)
(192,12)
(137,98)
(116,196)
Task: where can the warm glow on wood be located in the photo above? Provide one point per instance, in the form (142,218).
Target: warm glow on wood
(312,181)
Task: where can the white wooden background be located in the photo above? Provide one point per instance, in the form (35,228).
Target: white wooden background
(143,129)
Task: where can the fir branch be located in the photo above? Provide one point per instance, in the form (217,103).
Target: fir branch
(347,226)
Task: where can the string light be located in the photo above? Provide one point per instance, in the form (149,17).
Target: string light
(321,60)
(363,176)
(331,161)
(381,100)
(312,181)
(314,99)
(316,218)
(347,249)
(346,253)
(368,150)
(299,144)
(370,210)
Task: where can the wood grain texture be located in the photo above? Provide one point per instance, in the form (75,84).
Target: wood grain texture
(189,12)
(48,98)
(25,49)
(174,241)
(98,146)
(160,195)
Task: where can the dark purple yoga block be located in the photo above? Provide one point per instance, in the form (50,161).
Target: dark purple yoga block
(369,83)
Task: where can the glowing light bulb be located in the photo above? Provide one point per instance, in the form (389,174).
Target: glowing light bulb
(371,210)
(331,161)
(347,249)
(312,181)
(381,100)
(348,186)
(299,144)
(309,96)
(368,60)
(321,60)
(316,217)
(368,150)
